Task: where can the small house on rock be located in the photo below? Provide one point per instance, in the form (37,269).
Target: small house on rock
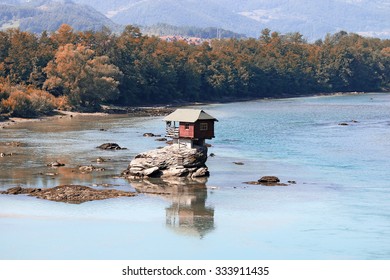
(190,126)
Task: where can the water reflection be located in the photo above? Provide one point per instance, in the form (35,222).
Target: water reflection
(188,213)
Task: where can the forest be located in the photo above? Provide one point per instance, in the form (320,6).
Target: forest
(73,70)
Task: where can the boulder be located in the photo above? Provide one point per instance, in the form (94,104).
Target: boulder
(170,161)
(110,146)
(150,171)
(6,155)
(55,164)
(200,172)
(148,134)
(269,180)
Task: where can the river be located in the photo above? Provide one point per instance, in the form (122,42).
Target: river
(338,209)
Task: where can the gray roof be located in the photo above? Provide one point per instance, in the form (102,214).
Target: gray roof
(188,115)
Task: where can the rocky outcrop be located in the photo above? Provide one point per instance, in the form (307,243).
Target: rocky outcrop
(69,193)
(171,161)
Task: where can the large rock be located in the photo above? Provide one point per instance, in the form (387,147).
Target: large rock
(170,161)
(110,146)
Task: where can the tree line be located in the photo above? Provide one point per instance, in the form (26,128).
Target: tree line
(82,70)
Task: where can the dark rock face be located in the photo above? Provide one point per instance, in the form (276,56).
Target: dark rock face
(69,193)
(170,161)
(110,146)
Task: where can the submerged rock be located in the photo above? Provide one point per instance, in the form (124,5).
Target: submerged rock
(170,161)
(14,144)
(69,193)
(90,168)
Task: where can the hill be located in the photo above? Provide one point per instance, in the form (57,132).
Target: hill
(314,19)
(163,29)
(39,15)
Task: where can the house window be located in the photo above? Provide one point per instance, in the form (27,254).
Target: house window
(204,126)
(187,126)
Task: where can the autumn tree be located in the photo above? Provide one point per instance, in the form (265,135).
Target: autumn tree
(64,35)
(21,55)
(86,79)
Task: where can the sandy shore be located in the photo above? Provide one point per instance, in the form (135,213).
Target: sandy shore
(130,111)
(59,114)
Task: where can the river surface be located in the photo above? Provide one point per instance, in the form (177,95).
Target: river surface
(339,207)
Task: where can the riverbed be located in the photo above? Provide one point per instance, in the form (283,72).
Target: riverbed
(338,208)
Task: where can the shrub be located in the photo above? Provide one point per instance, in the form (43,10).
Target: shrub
(62,103)
(4,90)
(27,103)
(42,102)
(18,104)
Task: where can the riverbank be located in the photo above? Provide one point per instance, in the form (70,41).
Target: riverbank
(152,111)
(106,110)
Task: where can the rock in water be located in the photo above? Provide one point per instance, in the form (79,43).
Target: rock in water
(55,164)
(171,161)
(269,180)
(110,146)
(69,193)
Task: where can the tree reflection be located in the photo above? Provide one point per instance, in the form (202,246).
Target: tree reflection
(188,213)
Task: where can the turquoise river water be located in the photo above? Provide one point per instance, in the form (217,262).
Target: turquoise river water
(339,207)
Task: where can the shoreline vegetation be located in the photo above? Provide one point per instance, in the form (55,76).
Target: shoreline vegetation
(69,70)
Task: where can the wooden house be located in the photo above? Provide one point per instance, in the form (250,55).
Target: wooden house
(190,126)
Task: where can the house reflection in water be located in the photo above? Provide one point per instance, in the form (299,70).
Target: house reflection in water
(188,213)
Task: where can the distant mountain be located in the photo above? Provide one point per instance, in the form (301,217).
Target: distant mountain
(163,29)
(39,15)
(311,18)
